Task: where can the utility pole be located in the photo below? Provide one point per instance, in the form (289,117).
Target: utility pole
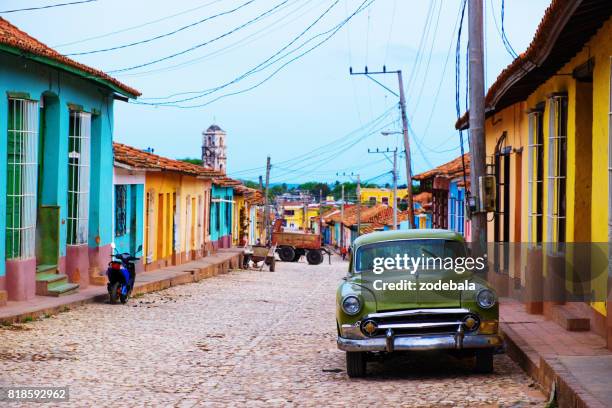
(266,204)
(402,103)
(477,118)
(358,205)
(394,172)
(395,189)
(358,201)
(342,218)
(320,211)
(260,183)
(407,148)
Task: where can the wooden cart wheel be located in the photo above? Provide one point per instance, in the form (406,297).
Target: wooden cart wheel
(314,257)
(286,254)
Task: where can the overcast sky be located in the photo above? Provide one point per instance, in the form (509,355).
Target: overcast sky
(308,104)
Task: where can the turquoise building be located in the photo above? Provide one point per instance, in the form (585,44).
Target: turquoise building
(129,210)
(56,167)
(222,201)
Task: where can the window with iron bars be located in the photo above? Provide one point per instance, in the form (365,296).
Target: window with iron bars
(79,138)
(536,175)
(22,173)
(557,168)
(120,210)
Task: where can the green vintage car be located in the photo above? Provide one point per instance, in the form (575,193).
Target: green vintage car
(414,305)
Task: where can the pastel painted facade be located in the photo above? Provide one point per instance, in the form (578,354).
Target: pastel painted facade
(56,167)
(381,195)
(297,216)
(176,206)
(246,228)
(441,199)
(548,130)
(221,215)
(128,210)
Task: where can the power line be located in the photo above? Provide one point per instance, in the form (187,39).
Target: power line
(123,30)
(314,152)
(242,42)
(503,31)
(424,80)
(46,7)
(255,69)
(424,33)
(168,34)
(436,98)
(363,6)
(197,46)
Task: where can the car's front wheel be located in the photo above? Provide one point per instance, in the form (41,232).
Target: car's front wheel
(484,362)
(355,364)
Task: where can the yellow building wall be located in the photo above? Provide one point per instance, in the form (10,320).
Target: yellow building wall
(195,189)
(239,205)
(174,190)
(379,193)
(514,120)
(158,236)
(297,219)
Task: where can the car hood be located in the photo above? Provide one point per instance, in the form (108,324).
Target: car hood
(398,290)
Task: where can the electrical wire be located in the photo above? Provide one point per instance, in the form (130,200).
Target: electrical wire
(333,31)
(330,145)
(262,65)
(46,7)
(424,79)
(436,98)
(240,43)
(168,34)
(457,97)
(424,33)
(200,45)
(503,31)
(123,30)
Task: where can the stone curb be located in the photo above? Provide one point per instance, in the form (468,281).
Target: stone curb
(188,273)
(547,371)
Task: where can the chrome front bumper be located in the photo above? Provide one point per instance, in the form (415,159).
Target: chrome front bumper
(421,343)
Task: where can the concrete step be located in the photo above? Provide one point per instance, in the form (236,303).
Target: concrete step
(46,268)
(57,289)
(570,319)
(54,284)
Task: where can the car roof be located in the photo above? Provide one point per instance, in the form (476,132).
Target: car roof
(381,236)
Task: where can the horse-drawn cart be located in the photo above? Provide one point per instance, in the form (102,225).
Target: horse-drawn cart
(260,253)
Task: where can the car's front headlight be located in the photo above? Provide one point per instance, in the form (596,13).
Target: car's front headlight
(486,298)
(351,305)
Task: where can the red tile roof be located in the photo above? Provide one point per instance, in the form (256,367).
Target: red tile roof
(139,159)
(15,39)
(452,169)
(251,195)
(563,30)
(225,181)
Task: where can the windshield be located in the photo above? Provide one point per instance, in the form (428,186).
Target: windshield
(430,251)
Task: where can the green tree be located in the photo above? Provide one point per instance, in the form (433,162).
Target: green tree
(192,161)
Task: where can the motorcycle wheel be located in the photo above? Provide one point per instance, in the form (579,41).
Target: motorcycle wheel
(114,291)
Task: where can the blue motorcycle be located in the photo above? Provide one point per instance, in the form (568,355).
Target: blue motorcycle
(121,274)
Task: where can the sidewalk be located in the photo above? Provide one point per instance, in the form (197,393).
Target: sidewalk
(577,363)
(218,263)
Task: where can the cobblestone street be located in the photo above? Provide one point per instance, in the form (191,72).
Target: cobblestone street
(246,338)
